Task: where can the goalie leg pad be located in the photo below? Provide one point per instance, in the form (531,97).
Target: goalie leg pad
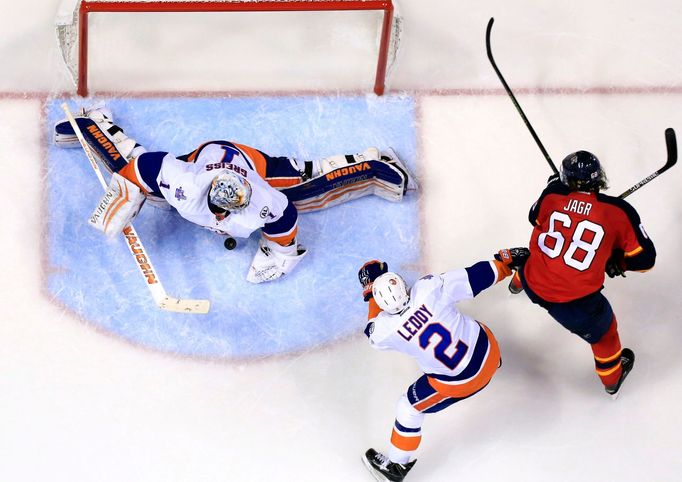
(118,207)
(377,177)
(107,140)
(332,163)
(272,260)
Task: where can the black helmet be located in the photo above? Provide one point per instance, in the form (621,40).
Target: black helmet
(581,171)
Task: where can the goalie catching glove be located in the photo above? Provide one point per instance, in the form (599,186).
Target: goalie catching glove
(118,207)
(273,260)
(370,271)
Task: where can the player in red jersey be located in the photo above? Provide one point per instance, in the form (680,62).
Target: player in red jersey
(578,235)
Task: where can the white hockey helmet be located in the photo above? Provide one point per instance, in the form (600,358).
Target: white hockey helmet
(230,191)
(390,293)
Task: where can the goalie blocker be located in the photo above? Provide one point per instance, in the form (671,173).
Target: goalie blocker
(118,207)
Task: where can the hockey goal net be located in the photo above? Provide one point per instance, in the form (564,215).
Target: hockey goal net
(78,35)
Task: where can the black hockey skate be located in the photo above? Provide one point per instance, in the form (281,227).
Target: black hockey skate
(383,470)
(515,286)
(627,361)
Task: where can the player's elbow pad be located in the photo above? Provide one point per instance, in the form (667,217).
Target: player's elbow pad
(642,262)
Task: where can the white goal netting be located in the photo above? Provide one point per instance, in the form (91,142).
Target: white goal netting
(280,45)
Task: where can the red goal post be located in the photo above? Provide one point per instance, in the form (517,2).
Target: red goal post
(72,27)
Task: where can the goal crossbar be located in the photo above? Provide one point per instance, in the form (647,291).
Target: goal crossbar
(93,6)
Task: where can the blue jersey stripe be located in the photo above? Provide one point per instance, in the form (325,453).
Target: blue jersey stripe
(404,429)
(284,224)
(481,276)
(149,166)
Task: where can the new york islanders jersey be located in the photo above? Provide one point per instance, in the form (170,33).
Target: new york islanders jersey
(574,235)
(185,182)
(443,340)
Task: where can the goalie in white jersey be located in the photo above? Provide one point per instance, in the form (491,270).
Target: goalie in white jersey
(231,188)
(457,354)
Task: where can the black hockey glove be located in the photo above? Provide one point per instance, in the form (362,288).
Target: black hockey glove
(370,271)
(513,257)
(615,266)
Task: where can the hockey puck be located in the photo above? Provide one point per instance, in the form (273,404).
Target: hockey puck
(230,243)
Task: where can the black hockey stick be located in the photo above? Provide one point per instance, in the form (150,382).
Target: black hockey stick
(670,139)
(511,96)
(671,145)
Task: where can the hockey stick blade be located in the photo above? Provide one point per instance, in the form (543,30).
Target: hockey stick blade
(507,89)
(199,307)
(671,146)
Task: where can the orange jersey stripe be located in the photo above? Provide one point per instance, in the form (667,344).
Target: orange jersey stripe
(374,309)
(285,240)
(408,444)
(431,401)
(192,156)
(130,173)
(634,252)
(257,158)
(283,182)
(474,384)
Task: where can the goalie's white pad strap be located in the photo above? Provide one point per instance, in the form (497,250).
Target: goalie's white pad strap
(121,202)
(272,261)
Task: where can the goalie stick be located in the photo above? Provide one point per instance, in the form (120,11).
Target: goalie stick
(670,139)
(142,260)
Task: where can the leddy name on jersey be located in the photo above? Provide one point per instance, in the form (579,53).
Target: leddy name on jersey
(415,322)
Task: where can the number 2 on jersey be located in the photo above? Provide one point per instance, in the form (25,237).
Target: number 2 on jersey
(445,341)
(577,241)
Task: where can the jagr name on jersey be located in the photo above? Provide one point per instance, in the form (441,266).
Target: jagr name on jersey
(580,207)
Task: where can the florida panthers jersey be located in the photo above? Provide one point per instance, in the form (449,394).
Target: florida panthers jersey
(185,184)
(432,330)
(574,235)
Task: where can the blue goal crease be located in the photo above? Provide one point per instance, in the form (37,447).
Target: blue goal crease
(316,304)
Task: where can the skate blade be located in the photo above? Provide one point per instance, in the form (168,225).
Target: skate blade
(376,475)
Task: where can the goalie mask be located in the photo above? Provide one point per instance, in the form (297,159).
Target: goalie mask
(390,293)
(230,192)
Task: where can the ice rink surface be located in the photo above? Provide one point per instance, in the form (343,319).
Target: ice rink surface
(87,395)
(245,321)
